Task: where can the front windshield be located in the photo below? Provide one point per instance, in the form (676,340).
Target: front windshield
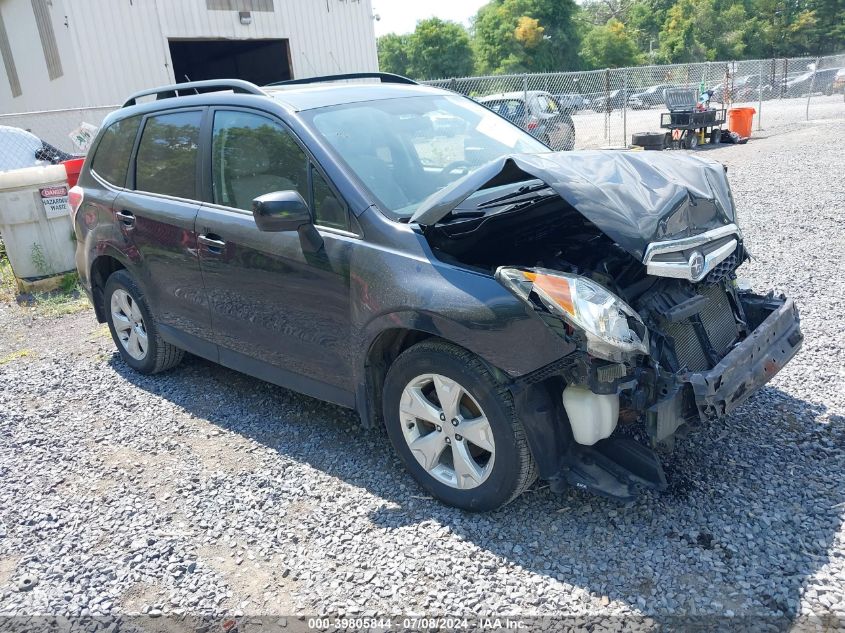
(406,149)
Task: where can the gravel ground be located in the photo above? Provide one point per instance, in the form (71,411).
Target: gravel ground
(204,491)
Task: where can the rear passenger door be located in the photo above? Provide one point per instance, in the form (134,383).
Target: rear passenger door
(157,216)
(279,311)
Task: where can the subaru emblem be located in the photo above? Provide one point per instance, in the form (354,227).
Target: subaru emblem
(696,265)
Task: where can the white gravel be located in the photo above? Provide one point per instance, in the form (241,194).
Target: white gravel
(204,491)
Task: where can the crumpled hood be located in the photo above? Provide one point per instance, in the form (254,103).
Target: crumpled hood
(633,197)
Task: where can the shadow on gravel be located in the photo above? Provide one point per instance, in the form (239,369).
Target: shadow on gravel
(753,508)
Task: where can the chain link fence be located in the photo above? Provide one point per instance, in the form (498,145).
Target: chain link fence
(31,138)
(608,106)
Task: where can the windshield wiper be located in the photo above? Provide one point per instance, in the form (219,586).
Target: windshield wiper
(522,191)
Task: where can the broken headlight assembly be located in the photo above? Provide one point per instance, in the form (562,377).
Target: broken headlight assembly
(611,327)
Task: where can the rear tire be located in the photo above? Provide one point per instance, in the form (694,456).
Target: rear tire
(133,327)
(477,460)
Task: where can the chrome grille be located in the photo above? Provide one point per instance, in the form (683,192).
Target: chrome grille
(723,269)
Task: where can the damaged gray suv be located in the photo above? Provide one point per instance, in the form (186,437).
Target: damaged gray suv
(405,252)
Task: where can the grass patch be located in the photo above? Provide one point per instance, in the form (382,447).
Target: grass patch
(68,298)
(21,353)
(8,285)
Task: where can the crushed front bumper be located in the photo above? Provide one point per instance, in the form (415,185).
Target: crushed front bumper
(709,395)
(753,362)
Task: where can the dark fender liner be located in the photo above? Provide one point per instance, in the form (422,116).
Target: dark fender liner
(752,363)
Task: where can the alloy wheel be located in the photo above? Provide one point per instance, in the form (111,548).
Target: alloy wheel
(129,324)
(447,431)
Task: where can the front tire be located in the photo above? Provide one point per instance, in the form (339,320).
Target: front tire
(133,328)
(454,427)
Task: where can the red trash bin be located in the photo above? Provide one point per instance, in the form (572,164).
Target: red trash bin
(740,119)
(73,167)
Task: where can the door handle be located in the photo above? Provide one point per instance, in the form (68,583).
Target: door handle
(212,242)
(126,218)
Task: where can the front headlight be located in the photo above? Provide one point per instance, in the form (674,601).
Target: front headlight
(611,326)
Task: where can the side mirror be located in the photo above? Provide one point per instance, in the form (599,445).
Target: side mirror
(281,211)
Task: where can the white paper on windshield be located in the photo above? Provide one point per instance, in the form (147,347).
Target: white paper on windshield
(500,130)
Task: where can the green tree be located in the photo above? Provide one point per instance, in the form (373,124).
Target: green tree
(703,30)
(526,35)
(790,28)
(393,53)
(439,49)
(829,36)
(610,46)
(644,21)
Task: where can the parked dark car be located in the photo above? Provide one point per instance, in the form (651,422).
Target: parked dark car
(614,100)
(820,81)
(498,307)
(648,98)
(743,89)
(572,102)
(541,116)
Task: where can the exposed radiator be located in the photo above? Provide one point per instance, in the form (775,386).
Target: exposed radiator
(687,346)
(718,319)
(719,324)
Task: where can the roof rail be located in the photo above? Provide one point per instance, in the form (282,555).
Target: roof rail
(386,78)
(168,92)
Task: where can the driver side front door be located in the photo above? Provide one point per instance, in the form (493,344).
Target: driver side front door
(278,311)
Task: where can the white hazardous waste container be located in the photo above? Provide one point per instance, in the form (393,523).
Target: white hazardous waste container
(35,222)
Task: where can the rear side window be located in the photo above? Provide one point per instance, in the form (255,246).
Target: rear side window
(111,159)
(510,109)
(167,155)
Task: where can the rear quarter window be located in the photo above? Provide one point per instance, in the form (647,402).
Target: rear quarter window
(111,158)
(167,154)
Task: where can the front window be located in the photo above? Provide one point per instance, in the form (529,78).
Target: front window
(404,150)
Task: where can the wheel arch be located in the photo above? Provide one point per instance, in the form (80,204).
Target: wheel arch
(382,351)
(384,348)
(101,269)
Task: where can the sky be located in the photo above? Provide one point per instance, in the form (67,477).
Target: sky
(401,16)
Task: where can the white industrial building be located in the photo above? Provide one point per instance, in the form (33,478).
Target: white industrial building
(72,53)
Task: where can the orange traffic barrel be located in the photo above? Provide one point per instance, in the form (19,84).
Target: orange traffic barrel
(739,120)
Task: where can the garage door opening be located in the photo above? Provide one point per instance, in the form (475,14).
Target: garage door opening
(259,61)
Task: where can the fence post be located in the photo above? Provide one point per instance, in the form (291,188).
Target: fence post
(525,90)
(625,108)
(784,77)
(812,86)
(606,104)
(760,100)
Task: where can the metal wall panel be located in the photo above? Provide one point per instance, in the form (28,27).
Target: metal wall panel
(109,48)
(8,60)
(239,5)
(44,22)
